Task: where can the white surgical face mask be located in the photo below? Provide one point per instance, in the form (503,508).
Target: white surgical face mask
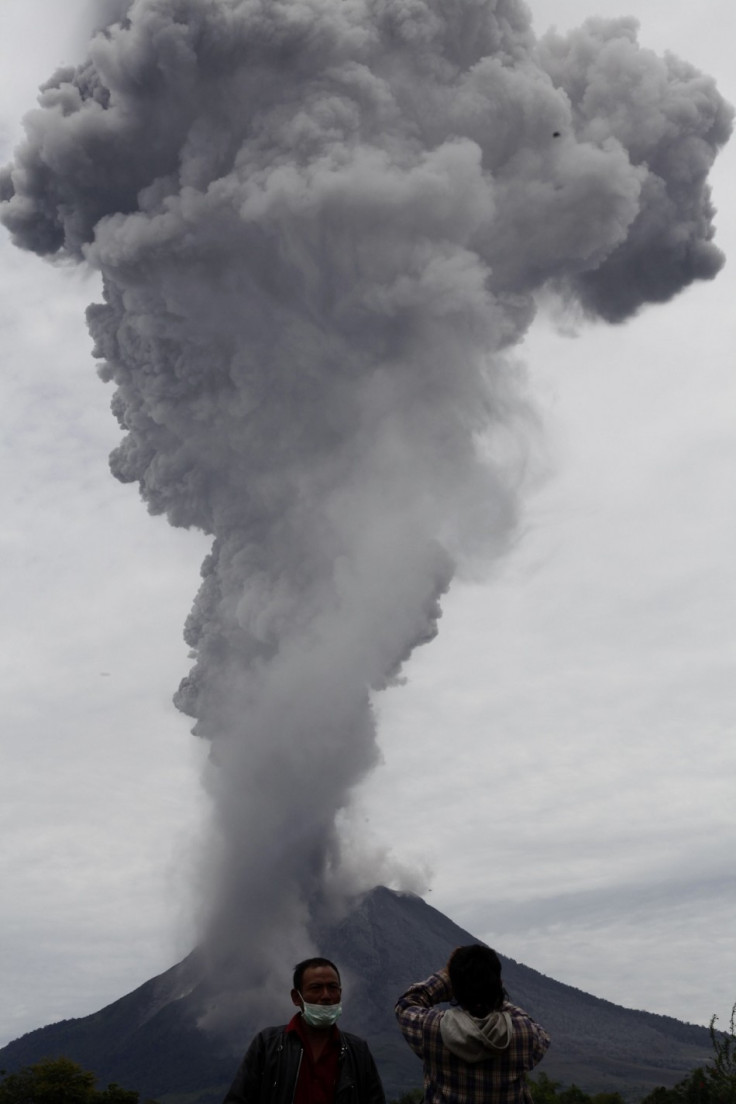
(321,1015)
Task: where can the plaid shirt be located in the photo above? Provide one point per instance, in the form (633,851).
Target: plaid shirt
(499,1079)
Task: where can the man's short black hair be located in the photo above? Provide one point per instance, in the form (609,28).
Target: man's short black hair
(305,965)
(475,976)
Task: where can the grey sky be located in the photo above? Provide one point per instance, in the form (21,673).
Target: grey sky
(559,765)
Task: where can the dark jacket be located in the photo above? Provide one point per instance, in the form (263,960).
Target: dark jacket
(268,1072)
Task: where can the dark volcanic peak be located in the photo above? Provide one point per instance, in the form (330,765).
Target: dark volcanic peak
(150,1039)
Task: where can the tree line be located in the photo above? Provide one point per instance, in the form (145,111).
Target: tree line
(60,1081)
(714,1083)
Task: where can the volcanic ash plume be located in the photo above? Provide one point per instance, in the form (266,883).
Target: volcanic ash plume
(320,224)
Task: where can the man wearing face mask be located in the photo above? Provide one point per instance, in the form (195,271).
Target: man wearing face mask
(309,1061)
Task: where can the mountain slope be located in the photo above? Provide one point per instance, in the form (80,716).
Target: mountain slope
(150,1040)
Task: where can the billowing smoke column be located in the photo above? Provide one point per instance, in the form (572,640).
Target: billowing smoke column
(320,224)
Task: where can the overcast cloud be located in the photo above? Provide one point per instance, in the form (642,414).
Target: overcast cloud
(559,767)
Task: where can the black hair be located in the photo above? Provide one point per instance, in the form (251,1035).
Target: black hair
(306,964)
(475,976)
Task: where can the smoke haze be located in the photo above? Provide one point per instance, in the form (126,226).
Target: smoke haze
(321,227)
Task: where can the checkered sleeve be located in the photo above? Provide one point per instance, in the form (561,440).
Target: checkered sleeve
(415,1009)
(529,1040)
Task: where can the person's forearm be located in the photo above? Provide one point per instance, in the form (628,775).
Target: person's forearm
(425,994)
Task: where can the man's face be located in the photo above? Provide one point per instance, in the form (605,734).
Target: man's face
(320,985)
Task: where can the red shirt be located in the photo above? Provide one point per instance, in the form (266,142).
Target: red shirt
(317,1079)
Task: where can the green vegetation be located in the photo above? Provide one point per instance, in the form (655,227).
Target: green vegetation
(713,1084)
(722,1074)
(716,1083)
(546,1091)
(413,1096)
(59,1081)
